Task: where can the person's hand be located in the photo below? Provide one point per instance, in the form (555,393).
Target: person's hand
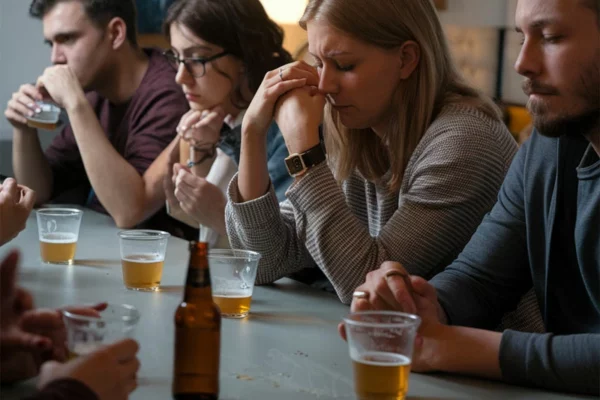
(60,84)
(28,336)
(37,336)
(202,127)
(22,105)
(199,198)
(277,82)
(391,288)
(16,202)
(110,372)
(298,114)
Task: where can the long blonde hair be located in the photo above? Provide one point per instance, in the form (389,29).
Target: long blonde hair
(435,83)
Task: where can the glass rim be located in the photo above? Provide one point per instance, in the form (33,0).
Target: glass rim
(58,211)
(234,254)
(409,319)
(143,234)
(133,317)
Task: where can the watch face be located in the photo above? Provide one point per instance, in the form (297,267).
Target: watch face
(297,164)
(294,164)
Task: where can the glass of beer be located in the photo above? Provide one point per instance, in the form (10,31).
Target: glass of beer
(86,333)
(232,275)
(48,118)
(381,346)
(142,257)
(58,230)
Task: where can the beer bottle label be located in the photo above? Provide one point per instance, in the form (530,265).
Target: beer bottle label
(198,278)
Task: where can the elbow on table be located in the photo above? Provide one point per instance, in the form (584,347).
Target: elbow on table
(128,220)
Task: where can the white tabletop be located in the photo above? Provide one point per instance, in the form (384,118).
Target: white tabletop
(288,348)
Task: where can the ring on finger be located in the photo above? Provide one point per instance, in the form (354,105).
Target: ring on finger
(281,74)
(396,272)
(359,294)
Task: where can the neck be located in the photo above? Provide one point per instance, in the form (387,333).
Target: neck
(125,75)
(232,110)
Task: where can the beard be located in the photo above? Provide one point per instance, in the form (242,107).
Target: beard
(565,123)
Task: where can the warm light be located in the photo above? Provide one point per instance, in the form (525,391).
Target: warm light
(284,11)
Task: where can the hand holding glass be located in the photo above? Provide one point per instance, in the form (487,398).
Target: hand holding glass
(86,333)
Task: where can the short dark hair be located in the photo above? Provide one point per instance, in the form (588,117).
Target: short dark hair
(100,12)
(594,5)
(242,28)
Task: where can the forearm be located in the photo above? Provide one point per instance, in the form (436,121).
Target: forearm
(564,363)
(466,351)
(253,178)
(117,184)
(338,241)
(262,225)
(30,164)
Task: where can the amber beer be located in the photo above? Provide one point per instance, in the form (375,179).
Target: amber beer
(197,333)
(42,125)
(58,247)
(381,376)
(233,305)
(142,271)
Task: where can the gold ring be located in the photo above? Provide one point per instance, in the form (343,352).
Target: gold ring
(281,74)
(395,272)
(359,294)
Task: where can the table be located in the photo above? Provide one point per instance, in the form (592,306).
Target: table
(288,347)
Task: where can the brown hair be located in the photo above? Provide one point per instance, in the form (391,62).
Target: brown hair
(100,12)
(434,83)
(242,28)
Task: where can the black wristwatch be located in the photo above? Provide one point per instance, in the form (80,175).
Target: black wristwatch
(298,163)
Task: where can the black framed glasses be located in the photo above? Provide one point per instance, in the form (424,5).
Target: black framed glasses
(196,66)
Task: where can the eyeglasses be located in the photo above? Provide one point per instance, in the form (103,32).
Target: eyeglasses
(196,66)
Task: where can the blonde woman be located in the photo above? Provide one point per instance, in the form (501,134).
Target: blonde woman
(415,157)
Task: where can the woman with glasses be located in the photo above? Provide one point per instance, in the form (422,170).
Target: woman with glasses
(415,156)
(221,51)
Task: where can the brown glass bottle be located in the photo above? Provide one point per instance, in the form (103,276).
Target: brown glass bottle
(197,333)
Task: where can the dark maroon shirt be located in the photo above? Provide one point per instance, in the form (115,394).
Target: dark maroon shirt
(139,130)
(65,389)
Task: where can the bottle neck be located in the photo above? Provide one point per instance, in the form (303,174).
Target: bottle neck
(197,283)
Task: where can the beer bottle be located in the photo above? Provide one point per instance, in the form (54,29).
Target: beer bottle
(197,333)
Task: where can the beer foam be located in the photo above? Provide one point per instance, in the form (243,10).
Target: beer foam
(147,258)
(383,359)
(59,238)
(229,295)
(84,348)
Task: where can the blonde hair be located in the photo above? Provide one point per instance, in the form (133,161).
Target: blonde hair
(433,84)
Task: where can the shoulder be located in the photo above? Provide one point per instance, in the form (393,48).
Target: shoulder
(462,120)
(464,131)
(159,79)
(539,152)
